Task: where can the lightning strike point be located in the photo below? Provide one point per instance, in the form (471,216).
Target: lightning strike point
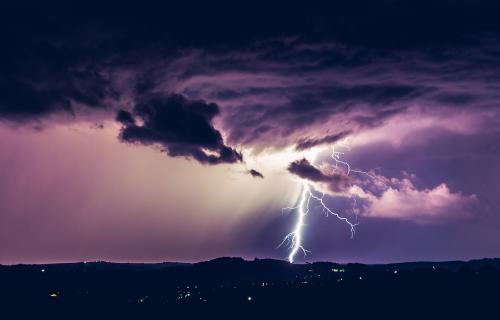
(294,239)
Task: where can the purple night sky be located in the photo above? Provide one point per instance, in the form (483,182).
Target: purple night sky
(177,132)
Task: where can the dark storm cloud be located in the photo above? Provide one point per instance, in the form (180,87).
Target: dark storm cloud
(303,75)
(46,66)
(306,170)
(304,144)
(294,109)
(182,127)
(282,103)
(38,93)
(255,173)
(336,182)
(125,117)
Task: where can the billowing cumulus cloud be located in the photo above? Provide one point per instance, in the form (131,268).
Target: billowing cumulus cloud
(401,199)
(182,127)
(389,198)
(425,205)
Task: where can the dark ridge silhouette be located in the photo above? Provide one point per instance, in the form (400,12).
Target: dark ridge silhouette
(235,288)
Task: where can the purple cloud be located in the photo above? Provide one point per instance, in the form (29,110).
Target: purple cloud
(400,199)
(180,126)
(336,181)
(304,144)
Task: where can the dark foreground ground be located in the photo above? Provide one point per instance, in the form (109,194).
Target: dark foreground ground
(234,288)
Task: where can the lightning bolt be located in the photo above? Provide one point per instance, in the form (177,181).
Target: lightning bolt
(336,155)
(294,239)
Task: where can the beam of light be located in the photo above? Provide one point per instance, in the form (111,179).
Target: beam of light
(294,239)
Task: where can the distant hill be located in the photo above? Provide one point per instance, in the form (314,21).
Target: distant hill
(237,262)
(94,265)
(234,287)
